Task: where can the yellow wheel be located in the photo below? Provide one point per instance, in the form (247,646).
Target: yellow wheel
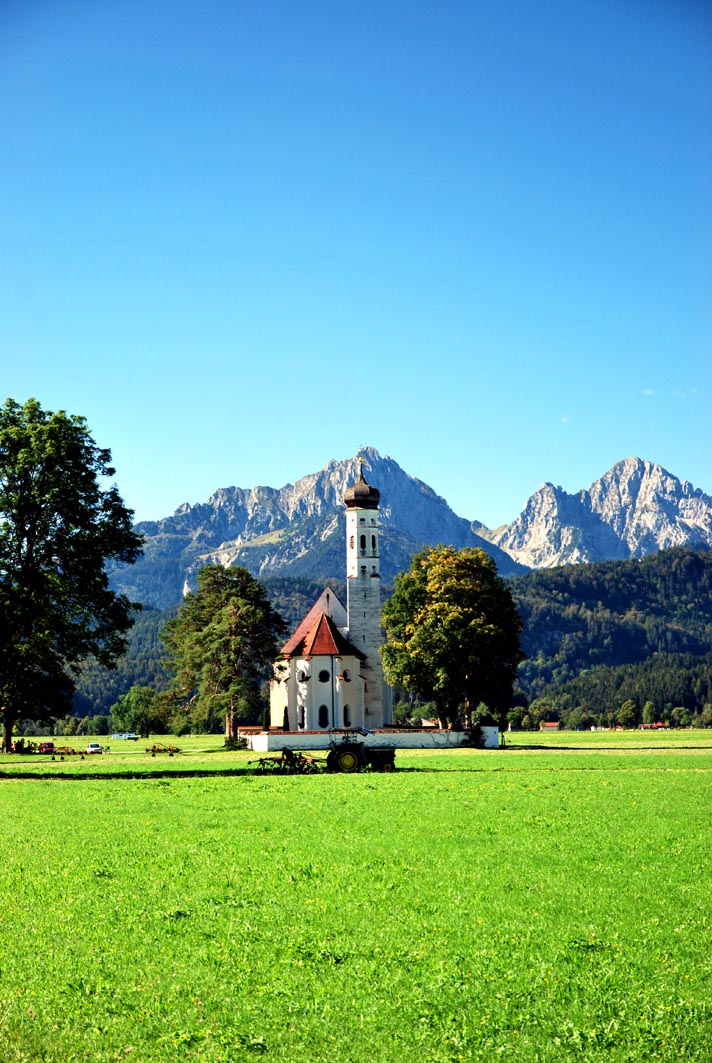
(348,760)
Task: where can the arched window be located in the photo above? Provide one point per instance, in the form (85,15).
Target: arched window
(373,543)
(347,715)
(323,716)
(300,718)
(363,543)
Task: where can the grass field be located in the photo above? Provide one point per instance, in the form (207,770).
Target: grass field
(548,901)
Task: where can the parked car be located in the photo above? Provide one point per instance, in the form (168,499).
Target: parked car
(94,747)
(46,747)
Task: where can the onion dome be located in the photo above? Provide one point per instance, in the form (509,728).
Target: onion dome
(362,495)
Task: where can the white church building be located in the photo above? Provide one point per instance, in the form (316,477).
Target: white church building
(329,673)
(328,676)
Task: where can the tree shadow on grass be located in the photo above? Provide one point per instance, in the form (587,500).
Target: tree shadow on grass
(113,776)
(212,773)
(654,748)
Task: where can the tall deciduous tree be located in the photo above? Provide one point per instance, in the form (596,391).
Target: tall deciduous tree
(220,646)
(453,632)
(140,710)
(59,525)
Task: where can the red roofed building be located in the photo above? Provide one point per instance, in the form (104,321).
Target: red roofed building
(329,672)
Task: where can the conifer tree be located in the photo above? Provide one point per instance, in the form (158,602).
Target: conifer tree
(220,646)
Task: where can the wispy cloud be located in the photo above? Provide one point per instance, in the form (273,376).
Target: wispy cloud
(677,393)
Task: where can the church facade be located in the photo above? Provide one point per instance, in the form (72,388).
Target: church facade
(329,673)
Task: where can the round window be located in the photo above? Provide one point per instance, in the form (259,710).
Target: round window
(324,676)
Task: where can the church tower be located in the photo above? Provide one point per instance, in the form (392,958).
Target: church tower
(363,581)
(328,674)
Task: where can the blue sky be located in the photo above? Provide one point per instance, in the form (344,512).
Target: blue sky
(244,239)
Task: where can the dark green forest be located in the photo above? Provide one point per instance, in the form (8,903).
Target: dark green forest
(142,665)
(614,643)
(600,636)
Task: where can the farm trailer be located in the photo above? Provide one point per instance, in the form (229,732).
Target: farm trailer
(347,756)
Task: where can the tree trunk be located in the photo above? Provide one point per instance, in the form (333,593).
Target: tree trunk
(8,724)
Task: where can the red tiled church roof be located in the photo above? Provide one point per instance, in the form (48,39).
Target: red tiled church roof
(319,637)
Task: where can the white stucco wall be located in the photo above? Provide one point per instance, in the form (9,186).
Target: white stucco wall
(345,686)
(262,742)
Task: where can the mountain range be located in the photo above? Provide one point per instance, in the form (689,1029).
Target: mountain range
(634,509)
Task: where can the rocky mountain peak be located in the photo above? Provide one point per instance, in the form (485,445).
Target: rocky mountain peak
(649,508)
(635,508)
(296,530)
(555,528)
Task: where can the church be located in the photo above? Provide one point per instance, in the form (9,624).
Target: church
(328,676)
(329,673)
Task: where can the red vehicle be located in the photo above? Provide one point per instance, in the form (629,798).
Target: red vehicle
(46,747)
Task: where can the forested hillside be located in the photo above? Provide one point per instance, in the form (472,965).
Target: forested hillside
(98,688)
(599,635)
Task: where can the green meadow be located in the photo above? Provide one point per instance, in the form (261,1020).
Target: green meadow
(547,901)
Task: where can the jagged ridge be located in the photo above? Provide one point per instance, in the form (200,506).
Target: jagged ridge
(636,508)
(297,530)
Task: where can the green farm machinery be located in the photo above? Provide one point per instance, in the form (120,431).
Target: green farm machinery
(346,755)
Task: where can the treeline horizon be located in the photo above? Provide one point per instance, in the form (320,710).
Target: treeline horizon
(598,637)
